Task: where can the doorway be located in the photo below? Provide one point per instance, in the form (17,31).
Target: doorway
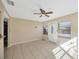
(5,32)
(52,31)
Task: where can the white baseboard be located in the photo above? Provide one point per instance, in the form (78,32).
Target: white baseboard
(16,43)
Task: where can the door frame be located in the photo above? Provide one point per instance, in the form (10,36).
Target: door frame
(2,39)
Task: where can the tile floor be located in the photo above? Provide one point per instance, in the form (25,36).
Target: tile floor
(33,50)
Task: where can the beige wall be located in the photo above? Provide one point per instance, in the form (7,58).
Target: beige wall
(73,18)
(21,31)
(1,6)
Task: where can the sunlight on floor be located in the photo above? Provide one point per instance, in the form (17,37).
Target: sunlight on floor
(67,50)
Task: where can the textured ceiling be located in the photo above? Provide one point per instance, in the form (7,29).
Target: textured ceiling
(25,8)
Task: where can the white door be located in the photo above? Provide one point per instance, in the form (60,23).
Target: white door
(52,31)
(1,38)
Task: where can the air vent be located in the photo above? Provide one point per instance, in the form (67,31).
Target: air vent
(10,2)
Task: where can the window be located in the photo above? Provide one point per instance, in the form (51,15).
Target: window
(45,31)
(64,29)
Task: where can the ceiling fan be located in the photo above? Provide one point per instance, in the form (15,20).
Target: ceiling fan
(43,12)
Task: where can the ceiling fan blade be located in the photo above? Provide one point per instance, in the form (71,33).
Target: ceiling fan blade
(40,15)
(49,12)
(46,15)
(36,13)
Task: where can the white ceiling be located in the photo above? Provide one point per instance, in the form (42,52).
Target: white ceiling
(25,8)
